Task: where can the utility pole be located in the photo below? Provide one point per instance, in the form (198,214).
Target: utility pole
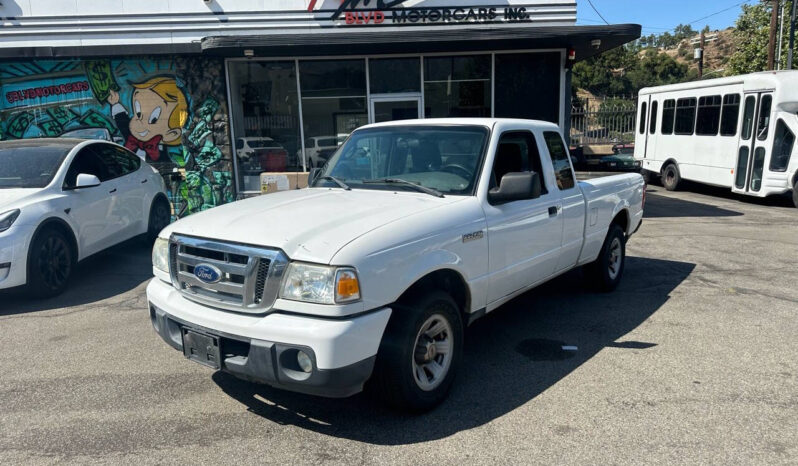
(774,17)
(781,37)
(792,35)
(700,53)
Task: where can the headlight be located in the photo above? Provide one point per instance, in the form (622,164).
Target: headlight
(160,255)
(7,219)
(320,284)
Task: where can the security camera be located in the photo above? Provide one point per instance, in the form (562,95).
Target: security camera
(595,43)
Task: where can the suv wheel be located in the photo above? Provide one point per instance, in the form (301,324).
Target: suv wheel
(671,179)
(160,216)
(604,274)
(51,263)
(420,353)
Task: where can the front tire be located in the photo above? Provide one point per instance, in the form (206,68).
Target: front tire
(420,353)
(671,178)
(160,217)
(604,274)
(51,264)
(795,194)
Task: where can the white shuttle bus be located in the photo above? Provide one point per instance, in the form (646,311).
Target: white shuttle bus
(736,132)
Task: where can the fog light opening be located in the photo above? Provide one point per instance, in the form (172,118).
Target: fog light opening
(304,361)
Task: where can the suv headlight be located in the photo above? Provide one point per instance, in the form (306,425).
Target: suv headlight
(320,284)
(7,219)
(160,255)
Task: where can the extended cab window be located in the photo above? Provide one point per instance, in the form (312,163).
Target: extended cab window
(559,159)
(517,152)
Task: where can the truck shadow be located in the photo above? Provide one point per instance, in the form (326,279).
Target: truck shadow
(105,275)
(512,355)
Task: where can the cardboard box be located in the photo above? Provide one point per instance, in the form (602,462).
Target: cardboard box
(282,181)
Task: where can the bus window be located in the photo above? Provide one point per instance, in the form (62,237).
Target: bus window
(685,116)
(708,120)
(763,123)
(748,117)
(730,114)
(643,118)
(653,126)
(742,166)
(759,166)
(782,147)
(668,111)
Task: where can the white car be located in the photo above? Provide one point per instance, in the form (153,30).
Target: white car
(412,230)
(319,149)
(62,200)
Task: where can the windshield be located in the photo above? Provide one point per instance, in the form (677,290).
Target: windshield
(30,166)
(444,158)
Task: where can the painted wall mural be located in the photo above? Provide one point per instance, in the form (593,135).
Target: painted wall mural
(171,112)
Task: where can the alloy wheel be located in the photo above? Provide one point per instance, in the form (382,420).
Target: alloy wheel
(433,353)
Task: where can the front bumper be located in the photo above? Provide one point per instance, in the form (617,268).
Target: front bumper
(14,255)
(263,348)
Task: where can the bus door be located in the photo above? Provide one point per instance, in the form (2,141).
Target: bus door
(754,141)
(645,104)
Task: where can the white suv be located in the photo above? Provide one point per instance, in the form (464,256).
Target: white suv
(62,200)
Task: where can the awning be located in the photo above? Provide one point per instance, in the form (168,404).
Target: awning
(583,39)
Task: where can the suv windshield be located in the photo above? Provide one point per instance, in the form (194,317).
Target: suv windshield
(444,158)
(30,166)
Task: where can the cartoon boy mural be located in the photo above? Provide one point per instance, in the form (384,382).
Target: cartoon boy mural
(160,109)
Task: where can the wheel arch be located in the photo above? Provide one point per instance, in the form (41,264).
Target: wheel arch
(445,279)
(622,219)
(60,225)
(667,162)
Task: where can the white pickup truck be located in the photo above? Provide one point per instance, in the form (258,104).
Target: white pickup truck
(411,231)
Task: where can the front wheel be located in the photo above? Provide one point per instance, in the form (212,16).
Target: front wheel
(420,353)
(795,193)
(160,216)
(604,274)
(51,263)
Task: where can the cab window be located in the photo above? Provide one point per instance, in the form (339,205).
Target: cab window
(517,152)
(559,159)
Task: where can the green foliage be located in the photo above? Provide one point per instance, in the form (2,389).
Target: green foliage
(752,35)
(623,72)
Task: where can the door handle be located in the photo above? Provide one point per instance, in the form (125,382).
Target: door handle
(553,211)
(112,191)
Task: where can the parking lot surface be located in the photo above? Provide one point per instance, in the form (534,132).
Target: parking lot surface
(694,359)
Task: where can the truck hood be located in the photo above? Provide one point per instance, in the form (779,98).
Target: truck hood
(307,224)
(11,198)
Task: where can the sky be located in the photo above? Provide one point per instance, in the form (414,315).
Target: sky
(658,16)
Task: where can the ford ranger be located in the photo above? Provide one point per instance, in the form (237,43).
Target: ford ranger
(411,231)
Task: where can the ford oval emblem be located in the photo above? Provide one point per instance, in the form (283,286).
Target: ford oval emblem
(207,273)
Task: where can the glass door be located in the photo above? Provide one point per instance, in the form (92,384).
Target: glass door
(392,108)
(754,138)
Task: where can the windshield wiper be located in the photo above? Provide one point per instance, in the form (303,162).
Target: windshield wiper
(417,187)
(335,180)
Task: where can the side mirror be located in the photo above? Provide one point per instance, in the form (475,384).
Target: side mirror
(515,186)
(86,181)
(314,173)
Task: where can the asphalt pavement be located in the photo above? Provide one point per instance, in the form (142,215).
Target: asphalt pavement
(694,359)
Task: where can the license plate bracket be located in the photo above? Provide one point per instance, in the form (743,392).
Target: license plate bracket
(201,348)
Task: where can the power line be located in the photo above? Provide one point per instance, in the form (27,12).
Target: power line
(716,13)
(597,12)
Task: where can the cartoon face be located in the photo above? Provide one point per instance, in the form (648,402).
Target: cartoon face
(150,117)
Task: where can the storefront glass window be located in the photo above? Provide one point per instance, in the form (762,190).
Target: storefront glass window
(265,114)
(333,104)
(389,75)
(457,86)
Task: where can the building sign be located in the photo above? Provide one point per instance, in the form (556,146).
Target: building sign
(373,12)
(45,91)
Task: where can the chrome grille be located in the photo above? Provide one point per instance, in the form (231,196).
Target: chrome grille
(248,276)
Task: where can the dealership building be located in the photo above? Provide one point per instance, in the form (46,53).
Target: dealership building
(232,89)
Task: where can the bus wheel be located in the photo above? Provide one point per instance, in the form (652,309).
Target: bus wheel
(795,193)
(650,177)
(670,177)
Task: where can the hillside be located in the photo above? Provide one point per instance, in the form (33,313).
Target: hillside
(717,50)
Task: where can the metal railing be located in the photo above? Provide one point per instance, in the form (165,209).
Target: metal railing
(607,122)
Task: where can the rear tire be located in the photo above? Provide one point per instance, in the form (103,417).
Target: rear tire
(604,274)
(795,194)
(160,217)
(51,261)
(671,178)
(420,353)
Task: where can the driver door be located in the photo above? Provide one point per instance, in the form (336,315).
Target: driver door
(524,236)
(90,208)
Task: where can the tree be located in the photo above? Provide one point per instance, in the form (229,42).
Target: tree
(656,69)
(751,35)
